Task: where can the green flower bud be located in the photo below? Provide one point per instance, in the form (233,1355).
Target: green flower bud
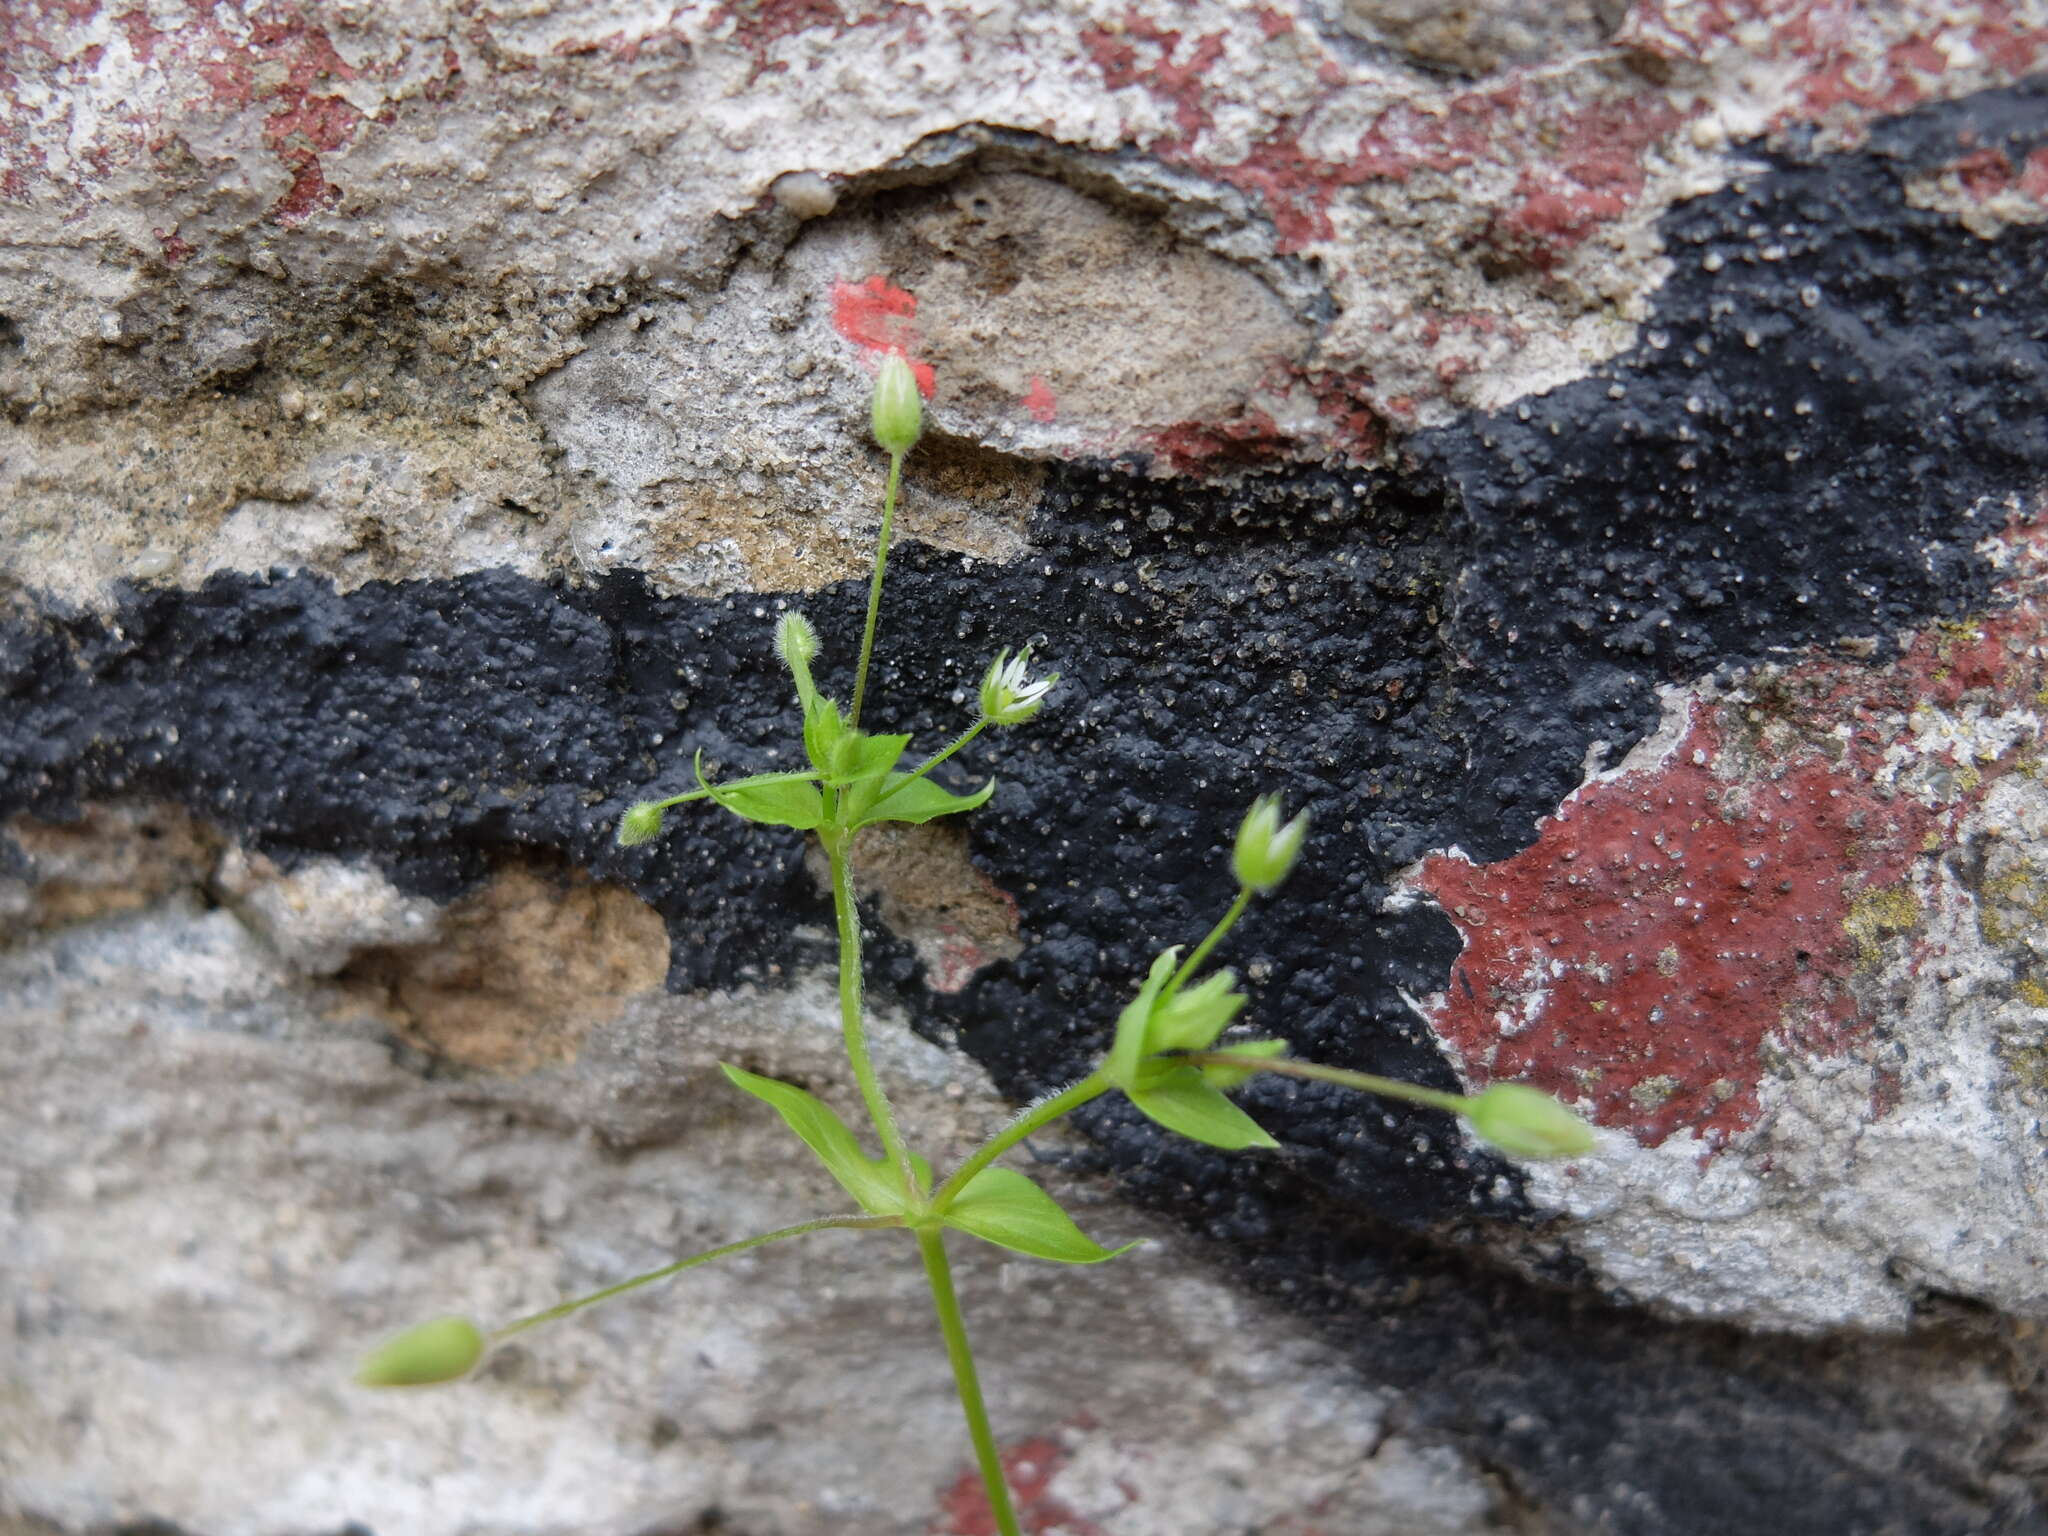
(1266,850)
(1193,1017)
(640,824)
(445,1349)
(1527,1122)
(795,641)
(898,412)
(1009,694)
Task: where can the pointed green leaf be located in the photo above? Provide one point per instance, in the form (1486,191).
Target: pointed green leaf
(1188,1106)
(1001,1206)
(920,800)
(868,1180)
(824,727)
(864,764)
(1134,1023)
(869,757)
(774,805)
(1194,1016)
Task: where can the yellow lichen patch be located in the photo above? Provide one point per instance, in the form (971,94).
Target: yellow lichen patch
(523,969)
(1877,913)
(2012,903)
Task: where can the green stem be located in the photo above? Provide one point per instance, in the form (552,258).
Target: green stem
(1033,1117)
(746,783)
(852,1019)
(867,636)
(1367,1082)
(1193,962)
(932,1244)
(932,762)
(565,1308)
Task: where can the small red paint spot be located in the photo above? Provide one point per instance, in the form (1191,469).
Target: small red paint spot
(175,249)
(1029,1466)
(877,316)
(1196,447)
(1038,400)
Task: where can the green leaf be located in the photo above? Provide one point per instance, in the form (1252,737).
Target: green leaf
(864,763)
(1194,1016)
(1135,1023)
(824,728)
(791,803)
(868,1179)
(920,800)
(868,757)
(1186,1105)
(1001,1206)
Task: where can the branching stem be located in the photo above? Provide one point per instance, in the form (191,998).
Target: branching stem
(563,1309)
(1365,1082)
(1032,1118)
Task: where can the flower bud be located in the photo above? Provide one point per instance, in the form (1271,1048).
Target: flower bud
(640,824)
(445,1349)
(1193,1017)
(898,411)
(795,641)
(1009,694)
(1266,850)
(1527,1122)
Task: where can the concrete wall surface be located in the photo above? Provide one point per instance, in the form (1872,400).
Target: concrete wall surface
(1593,455)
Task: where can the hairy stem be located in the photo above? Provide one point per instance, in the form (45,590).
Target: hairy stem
(939,1274)
(867,635)
(1365,1082)
(1189,966)
(852,1016)
(563,1309)
(1033,1117)
(933,761)
(807,775)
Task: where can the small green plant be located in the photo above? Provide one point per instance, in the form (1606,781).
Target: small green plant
(1167,1055)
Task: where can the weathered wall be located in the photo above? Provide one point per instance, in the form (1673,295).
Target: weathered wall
(1592,454)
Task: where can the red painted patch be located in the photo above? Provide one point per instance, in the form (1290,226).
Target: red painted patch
(1144,54)
(1030,1466)
(1039,402)
(1671,926)
(175,249)
(1190,447)
(878,317)
(1593,179)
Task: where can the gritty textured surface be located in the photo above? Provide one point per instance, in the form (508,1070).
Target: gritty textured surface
(416,419)
(278,1189)
(291,284)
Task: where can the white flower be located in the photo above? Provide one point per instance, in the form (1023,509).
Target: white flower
(1009,694)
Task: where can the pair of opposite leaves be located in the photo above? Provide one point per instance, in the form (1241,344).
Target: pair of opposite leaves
(998,1205)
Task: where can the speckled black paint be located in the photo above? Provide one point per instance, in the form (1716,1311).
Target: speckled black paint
(1424,658)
